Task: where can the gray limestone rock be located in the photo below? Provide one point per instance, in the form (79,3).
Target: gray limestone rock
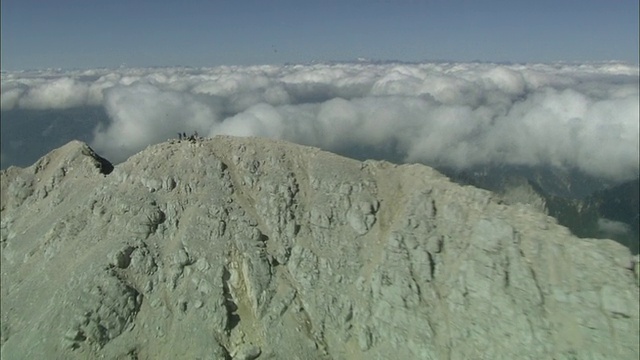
(247,248)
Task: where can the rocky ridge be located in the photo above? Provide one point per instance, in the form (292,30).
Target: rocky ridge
(245,248)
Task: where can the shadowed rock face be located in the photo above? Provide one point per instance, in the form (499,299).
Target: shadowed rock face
(251,248)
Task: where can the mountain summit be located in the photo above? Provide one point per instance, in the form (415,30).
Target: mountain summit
(248,248)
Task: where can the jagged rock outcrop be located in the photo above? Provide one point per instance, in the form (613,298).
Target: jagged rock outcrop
(232,248)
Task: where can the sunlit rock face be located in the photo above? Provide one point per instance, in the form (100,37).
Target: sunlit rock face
(248,248)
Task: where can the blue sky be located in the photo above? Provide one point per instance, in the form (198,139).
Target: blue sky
(88,34)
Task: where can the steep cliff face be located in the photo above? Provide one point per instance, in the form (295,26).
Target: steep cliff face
(244,248)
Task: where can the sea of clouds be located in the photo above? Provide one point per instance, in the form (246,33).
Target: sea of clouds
(459,115)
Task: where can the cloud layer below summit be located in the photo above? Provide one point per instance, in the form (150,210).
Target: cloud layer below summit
(582,116)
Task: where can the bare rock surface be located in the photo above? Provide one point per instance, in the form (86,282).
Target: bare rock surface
(246,248)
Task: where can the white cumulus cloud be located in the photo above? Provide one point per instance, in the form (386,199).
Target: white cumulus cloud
(142,114)
(582,116)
